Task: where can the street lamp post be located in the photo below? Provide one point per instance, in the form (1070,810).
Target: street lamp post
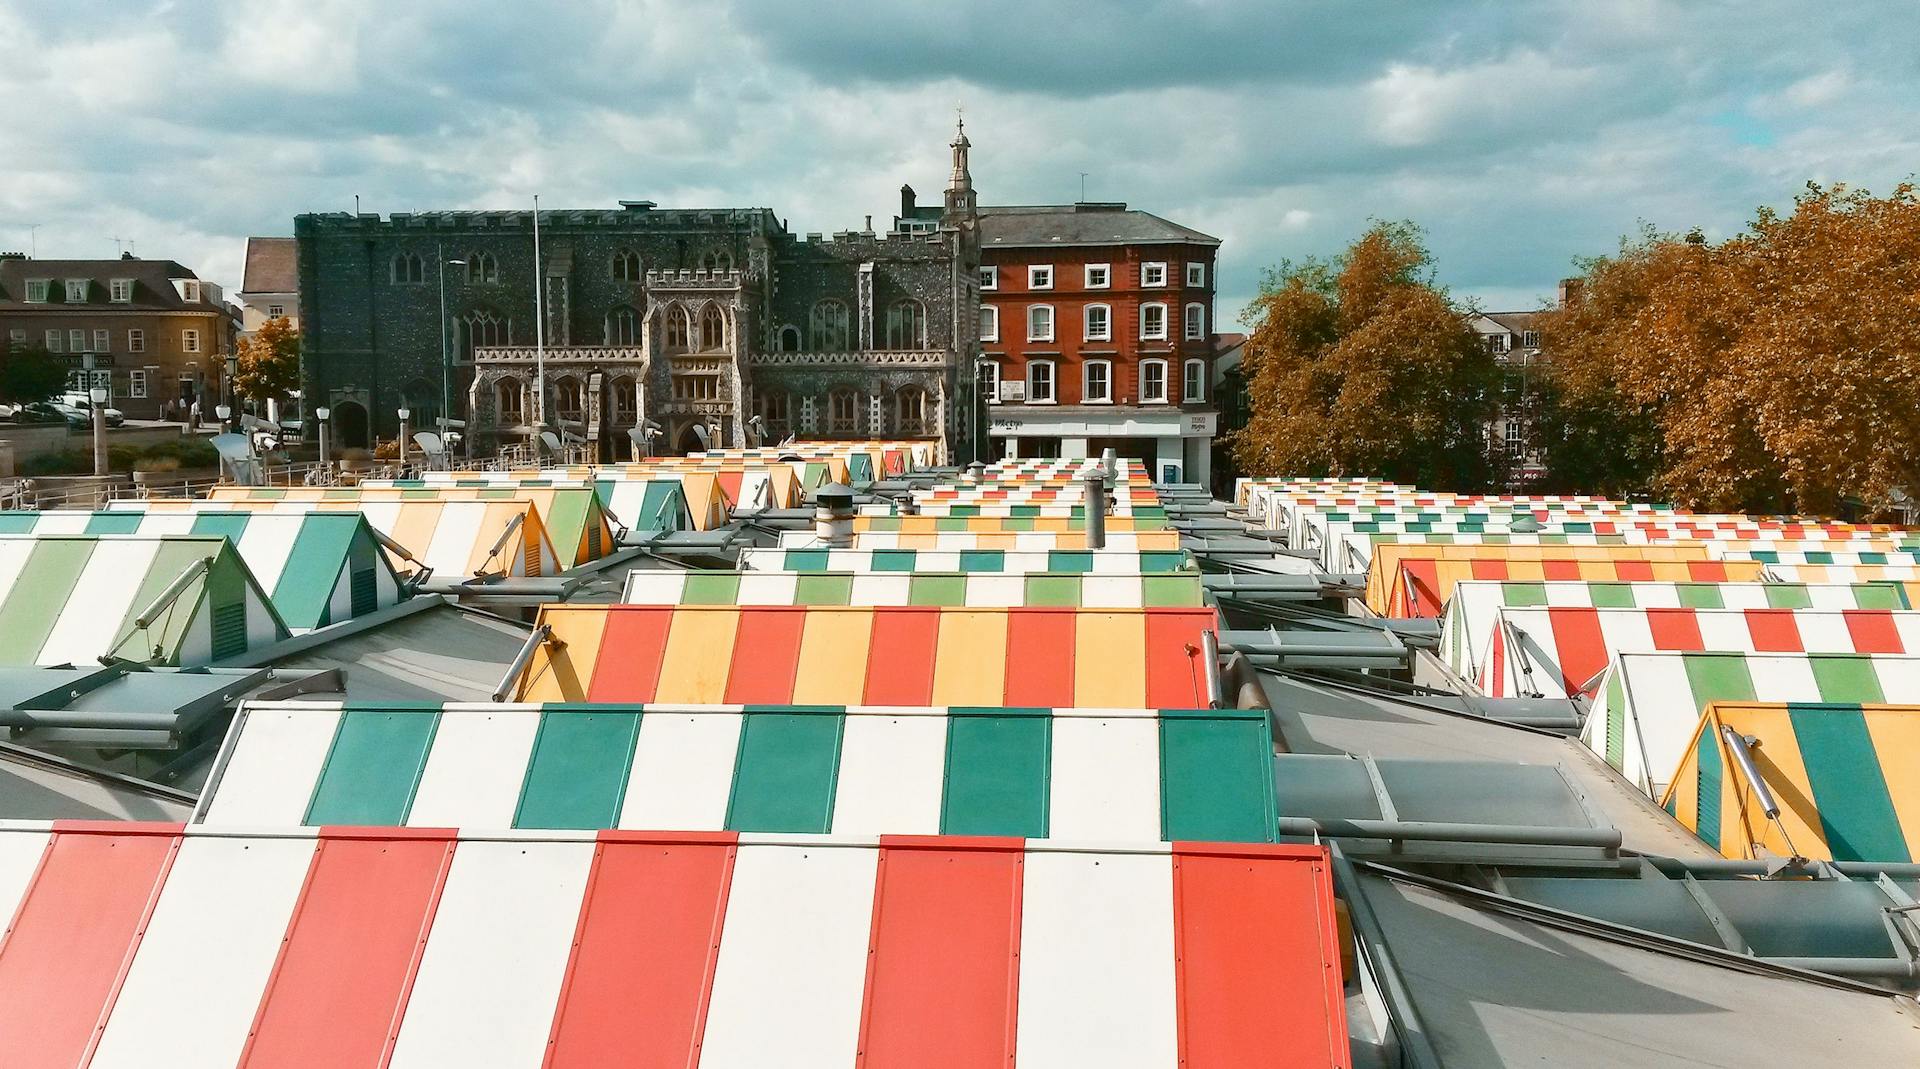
(405,414)
(321,414)
(446,366)
(223,413)
(99,397)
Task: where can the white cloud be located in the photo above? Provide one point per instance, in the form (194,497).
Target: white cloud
(1520,135)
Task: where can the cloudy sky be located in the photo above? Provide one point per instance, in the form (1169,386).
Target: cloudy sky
(1520,134)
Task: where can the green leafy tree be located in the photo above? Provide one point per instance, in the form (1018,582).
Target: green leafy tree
(1363,366)
(30,373)
(269,362)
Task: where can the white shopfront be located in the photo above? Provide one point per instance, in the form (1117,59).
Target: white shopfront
(1177,444)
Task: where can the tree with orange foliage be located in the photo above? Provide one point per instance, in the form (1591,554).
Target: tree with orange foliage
(269,362)
(1362,366)
(1779,370)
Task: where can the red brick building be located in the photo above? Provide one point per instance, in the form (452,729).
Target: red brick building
(1096,332)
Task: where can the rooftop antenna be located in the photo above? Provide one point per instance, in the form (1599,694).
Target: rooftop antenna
(33,240)
(122,246)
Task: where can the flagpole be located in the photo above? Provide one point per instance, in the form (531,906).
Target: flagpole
(539,327)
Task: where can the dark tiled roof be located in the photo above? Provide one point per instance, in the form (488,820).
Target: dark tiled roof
(271,266)
(1514,321)
(152,283)
(1081,224)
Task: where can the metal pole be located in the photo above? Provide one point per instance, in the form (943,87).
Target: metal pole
(99,433)
(404,414)
(446,390)
(1210,652)
(323,413)
(539,328)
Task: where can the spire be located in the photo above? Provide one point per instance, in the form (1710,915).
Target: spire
(960,197)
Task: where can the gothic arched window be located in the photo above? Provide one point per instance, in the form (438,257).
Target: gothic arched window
(409,268)
(626,265)
(482,267)
(713,328)
(623,327)
(827,327)
(906,325)
(679,332)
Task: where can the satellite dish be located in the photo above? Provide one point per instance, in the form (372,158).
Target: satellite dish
(237,458)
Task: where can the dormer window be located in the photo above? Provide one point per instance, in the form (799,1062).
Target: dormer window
(190,291)
(37,290)
(1530,339)
(120,290)
(76,291)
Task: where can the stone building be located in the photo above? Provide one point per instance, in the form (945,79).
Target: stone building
(718,327)
(270,289)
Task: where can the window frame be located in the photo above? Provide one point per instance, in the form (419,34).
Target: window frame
(78,290)
(990,382)
(1086,323)
(1106,279)
(276,311)
(1198,267)
(990,312)
(120,291)
(1529,339)
(102,340)
(1145,335)
(136,340)
(55,340)
(1087,368)
(190,290)
(1053,323)
(44,286)
(77,340)
(137,383)
(1149,266)
(1189,321)
(1514,433)
(1053,381)
(1164,397)
(989,277)
(1033,271)
(190,341)
(1189,395)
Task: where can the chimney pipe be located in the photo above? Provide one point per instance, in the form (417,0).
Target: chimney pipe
(833,515)
(1094,484)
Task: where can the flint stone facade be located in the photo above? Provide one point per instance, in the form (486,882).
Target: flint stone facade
(694,321)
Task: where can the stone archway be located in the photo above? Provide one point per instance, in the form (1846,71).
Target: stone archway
(350,424)
(689,440)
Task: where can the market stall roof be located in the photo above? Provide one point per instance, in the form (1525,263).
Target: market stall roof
(1106,775)
(419,947)
(639,497)
(1468,625)
(425,649)
(1558,651)
(1401,575)
(1842,775)
(1477,980)
(1314,717)
(319,568)
(920,587)
(955,541)
(1146,658)
(1907,575)
(1100,561)
(1426,588)
(457,539)
(1650,704)
(39,786)
(572,517)
(73,599)
(998,524)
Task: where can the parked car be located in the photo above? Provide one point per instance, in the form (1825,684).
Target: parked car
(34,412)
(81,403)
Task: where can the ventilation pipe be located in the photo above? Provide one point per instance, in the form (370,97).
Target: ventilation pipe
(1110,462)
(833,515)
(1094,484)
(1210,655)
